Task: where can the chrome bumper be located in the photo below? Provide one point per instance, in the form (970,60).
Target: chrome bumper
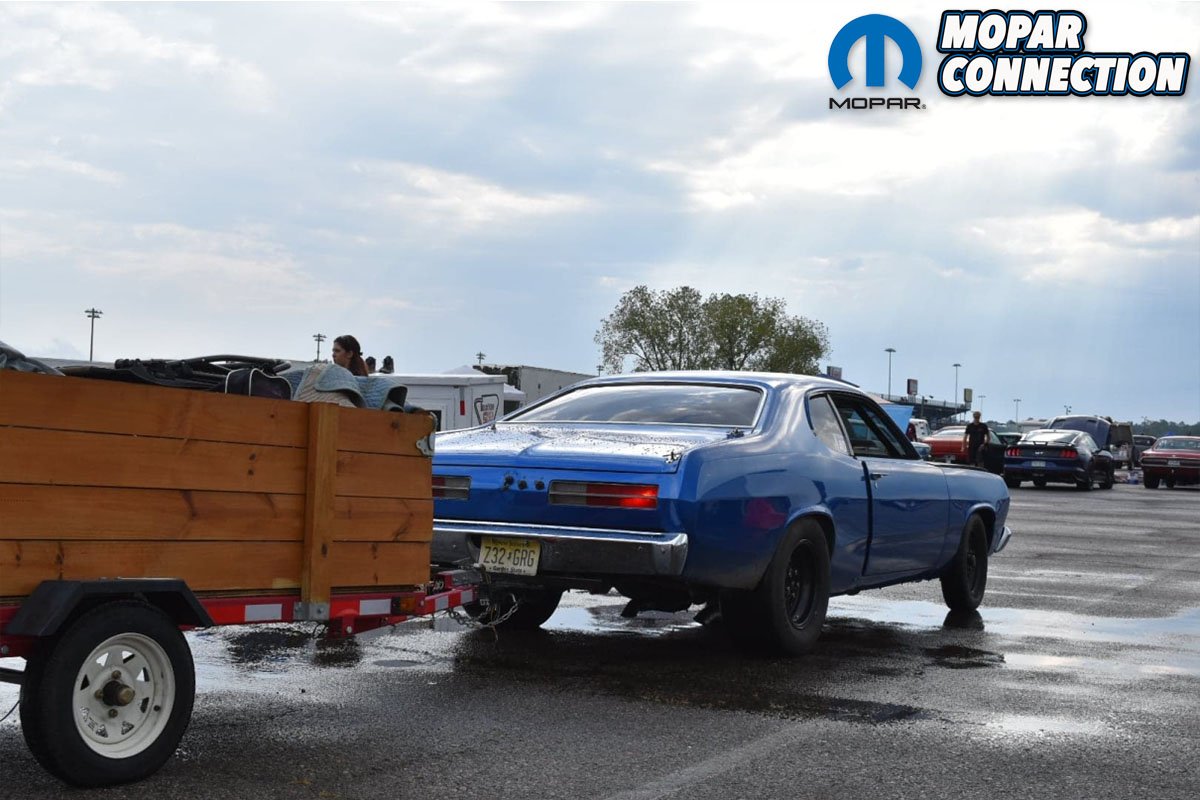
(1002,540)
(597,551)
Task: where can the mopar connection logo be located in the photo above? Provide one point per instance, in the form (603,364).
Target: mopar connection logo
(876,29)
(1041,53)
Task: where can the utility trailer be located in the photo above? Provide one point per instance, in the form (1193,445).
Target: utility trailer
(131,513)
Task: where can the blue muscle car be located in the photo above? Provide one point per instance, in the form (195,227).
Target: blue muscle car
(766,493)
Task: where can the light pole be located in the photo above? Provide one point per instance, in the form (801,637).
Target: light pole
(982,397)
(93,313)
(889,351)
(1016,409)
(957,365)
(480,356)
(320,337)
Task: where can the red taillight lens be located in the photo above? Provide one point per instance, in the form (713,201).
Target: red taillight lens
(1069,453)
(612,495)
(451,487)
(1013,452)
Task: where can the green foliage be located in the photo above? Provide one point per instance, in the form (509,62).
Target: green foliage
(681,329)
(1162,427)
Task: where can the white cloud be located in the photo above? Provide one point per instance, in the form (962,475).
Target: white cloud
(458,201)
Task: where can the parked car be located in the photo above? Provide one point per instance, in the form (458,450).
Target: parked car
(1141,443)
(946,445)
(1058,456)
(1172,460)
(762,493)
(1114,437)
(923,450)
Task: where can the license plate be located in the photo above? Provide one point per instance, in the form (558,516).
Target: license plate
(1036,464)
(513,556)
(1174,462)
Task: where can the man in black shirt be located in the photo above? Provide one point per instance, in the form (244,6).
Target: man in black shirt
(974,438)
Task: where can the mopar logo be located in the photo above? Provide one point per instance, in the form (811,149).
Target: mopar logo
(875,28)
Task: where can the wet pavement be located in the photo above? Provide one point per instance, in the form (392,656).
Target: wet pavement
(1079,677)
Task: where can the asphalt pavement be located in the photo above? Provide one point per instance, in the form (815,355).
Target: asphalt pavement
(1078,678)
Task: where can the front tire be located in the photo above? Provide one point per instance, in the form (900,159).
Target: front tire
(965,578)
(785,613)
(108,699)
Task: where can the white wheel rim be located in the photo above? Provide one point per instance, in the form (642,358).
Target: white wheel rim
(128,661)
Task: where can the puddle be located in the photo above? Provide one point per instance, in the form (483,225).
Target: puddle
(958,657)
(1181,629)
(1032,726)
(608,619)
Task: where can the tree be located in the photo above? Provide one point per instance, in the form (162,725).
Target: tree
(681,329)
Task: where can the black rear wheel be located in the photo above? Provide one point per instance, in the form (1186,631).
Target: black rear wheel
(1039,483)
(1109,479)
(965,578)
(1012,483)
(1150,482)
(785,613)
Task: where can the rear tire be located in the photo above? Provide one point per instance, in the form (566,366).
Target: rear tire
(534,608)
(1039,483)
(1170,483)
(964,579)
(1084,485)
(785,613)
(1109,479)
(108,699)
(1012,483)
(1149,483)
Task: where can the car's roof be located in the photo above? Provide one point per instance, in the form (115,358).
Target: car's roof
(1177,436)
(763,379)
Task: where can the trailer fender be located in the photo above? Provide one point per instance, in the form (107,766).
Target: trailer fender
(52,603)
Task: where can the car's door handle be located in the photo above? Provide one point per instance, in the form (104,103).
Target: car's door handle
(877,475)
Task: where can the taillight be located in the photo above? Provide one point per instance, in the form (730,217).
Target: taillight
(451,487)
(1068,453)
(1012,452)
(612,495)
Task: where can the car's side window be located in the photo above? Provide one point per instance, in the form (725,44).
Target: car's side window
(896,447)
(825,424)
(869,436)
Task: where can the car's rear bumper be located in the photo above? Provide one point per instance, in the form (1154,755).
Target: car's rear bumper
(1053,473)
(579,551)
(1187,474)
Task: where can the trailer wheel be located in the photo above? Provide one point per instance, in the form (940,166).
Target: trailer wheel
(108,699)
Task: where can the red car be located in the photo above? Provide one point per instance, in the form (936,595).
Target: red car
(947,445)
(1172,460)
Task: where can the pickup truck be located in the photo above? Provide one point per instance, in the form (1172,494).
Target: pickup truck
(1115,437)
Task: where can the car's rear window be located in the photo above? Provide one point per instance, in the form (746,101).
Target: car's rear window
(1050,437)
(1177,444)
(673,404)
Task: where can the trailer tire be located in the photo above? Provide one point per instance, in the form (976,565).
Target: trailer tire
(123,665)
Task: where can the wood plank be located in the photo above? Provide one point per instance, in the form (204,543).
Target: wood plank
(205,566)
(318,505)
(380,563)
(87,404)
(375,475)
(377,519)
(29,455)
(369,431)
(100,513)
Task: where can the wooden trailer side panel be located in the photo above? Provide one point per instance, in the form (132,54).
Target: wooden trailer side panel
(231,494)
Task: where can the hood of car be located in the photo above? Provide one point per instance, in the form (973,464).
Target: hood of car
(624,448)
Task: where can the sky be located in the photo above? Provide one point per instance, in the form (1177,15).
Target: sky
(444,179)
